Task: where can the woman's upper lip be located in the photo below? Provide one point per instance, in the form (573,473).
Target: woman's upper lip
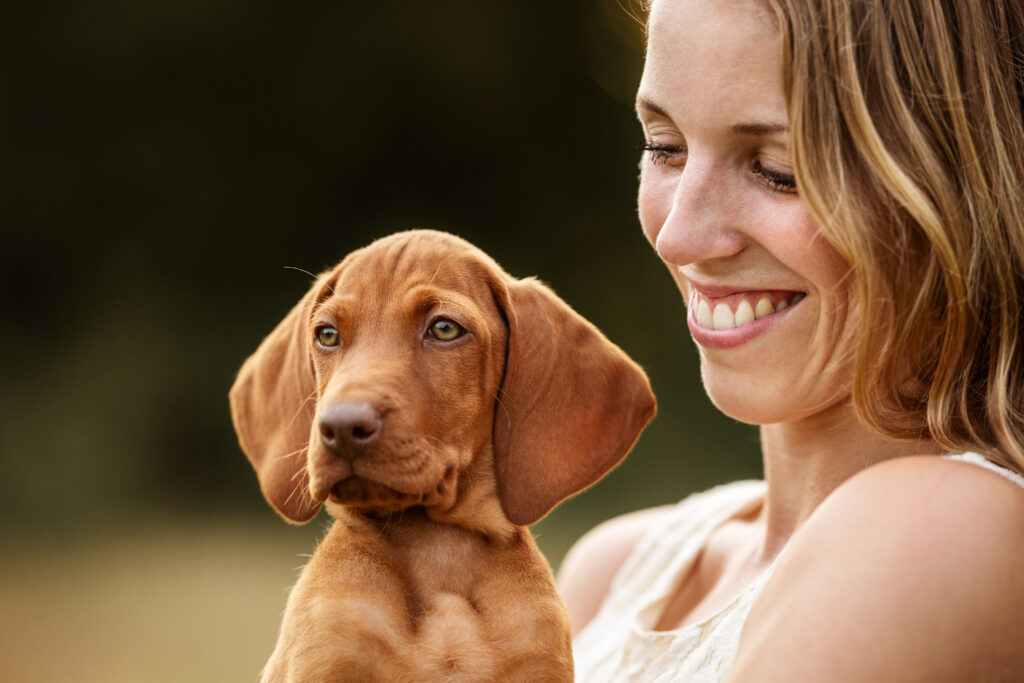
(716,290)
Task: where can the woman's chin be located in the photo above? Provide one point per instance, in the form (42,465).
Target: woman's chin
(764,404)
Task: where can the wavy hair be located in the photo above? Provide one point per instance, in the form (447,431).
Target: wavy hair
(907,134)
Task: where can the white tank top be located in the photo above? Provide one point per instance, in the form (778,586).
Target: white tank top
(619,644)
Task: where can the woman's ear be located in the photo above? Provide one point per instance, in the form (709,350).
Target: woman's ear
(273,402)
(571,406)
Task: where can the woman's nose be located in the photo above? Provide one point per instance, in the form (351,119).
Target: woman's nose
(701,223)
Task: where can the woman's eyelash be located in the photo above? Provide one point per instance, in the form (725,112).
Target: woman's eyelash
(779,182)
(776,181)
(661,153)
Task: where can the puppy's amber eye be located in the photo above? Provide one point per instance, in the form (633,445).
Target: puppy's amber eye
(327,336)
(446,330)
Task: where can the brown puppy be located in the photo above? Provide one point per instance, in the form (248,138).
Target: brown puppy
(436,406)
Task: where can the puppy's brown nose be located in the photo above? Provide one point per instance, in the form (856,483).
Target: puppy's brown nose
(346,428)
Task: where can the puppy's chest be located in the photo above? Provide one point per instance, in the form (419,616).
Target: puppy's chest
(443,563)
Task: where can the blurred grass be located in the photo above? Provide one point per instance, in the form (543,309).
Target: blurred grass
(165,602)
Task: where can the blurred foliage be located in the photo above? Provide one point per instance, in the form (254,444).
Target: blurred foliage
(166,163)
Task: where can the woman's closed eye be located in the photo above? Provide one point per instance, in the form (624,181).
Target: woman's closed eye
(775,180)
(660,153)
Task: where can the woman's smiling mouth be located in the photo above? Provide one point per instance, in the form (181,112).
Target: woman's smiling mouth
(729,320)
(740,309)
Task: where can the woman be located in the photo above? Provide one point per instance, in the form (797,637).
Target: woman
(836,187)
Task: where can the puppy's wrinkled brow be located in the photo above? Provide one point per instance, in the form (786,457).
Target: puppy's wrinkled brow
(337,305)
(427,298)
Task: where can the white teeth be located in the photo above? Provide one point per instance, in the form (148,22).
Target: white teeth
(704,314)
(744,313)
(723,318)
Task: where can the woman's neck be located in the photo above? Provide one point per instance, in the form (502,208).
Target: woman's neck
(805,460)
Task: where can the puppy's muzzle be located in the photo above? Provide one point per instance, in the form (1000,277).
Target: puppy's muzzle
(346,429)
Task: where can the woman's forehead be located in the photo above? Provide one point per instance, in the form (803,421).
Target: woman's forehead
(714,58)
(731,30)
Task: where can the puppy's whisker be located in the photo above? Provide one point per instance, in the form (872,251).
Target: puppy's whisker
(301,270)
(434,276)
(299,474)
(504,409)
(302,489)
(316,279)
(295,489)
(302,404)
(292,455)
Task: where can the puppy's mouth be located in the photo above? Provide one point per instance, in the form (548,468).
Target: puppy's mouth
(367,495)
(360,493)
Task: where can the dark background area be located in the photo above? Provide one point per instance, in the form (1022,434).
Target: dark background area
(164,169)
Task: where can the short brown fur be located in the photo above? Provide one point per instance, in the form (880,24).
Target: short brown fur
(428,572)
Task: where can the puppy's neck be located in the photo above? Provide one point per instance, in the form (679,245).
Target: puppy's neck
(424,532)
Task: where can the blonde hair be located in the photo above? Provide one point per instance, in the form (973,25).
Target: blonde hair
(907,135)
(907,129)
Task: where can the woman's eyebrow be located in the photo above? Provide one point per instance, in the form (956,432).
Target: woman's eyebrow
(648,105)
(758,129)
(753,128)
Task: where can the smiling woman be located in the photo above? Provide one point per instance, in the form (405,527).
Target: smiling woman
(718,201)
(835,187)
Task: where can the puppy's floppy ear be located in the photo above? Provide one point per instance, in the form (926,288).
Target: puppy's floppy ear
(273,402)
(572,404)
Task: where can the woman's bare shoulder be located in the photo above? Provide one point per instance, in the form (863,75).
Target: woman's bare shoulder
(909,571)
(588,569)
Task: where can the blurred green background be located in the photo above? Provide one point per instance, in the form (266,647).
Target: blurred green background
(163,166)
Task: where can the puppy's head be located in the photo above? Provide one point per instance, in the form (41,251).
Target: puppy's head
(417,371)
